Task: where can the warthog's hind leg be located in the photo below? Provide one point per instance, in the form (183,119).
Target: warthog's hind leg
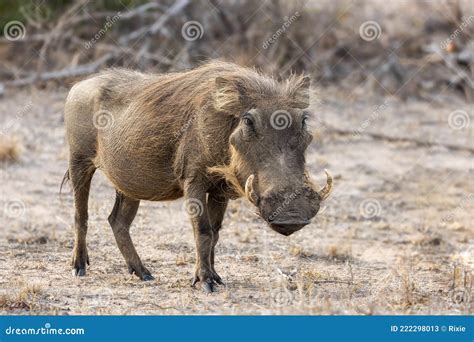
(120,220)
(80,172)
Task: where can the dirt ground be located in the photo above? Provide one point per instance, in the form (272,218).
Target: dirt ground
(396,237)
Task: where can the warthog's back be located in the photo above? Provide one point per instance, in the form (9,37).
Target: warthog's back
(132,147)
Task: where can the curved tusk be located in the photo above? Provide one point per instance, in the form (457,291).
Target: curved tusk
(249,192)
(325,192)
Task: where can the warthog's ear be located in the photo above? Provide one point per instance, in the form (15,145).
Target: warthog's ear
(228,96)
(301,92)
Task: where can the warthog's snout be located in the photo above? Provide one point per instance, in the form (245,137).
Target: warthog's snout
(288,227)
(287,212)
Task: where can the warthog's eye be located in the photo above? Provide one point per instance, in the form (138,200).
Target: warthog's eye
(247,120)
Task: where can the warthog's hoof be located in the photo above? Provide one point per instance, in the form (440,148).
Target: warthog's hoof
(79,272)
(209,287)
(209,282)
(148,277)
(79,260)
(141,272)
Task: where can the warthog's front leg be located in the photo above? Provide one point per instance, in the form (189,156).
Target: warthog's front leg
(196,207)
(216,206)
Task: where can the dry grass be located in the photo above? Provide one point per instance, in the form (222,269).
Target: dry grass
(338,252)
(10,149)
(25,299)
(181,259)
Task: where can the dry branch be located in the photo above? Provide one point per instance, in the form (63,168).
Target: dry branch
(94,66)
(81,70)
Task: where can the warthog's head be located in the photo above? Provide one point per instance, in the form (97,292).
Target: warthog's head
(268,145)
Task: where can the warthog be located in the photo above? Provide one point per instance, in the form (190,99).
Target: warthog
(211,134)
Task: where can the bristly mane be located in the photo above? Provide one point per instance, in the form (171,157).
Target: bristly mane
(194,87)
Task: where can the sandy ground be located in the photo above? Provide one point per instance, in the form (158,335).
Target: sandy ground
(396,237)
